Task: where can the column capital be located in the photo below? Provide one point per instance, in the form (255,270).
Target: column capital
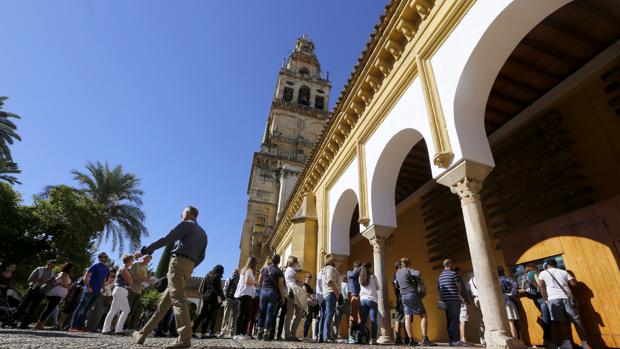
(466,179)
(377,235)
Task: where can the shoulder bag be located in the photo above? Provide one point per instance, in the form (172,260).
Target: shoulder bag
(571,299)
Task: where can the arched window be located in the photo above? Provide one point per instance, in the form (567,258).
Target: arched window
(304,96)
(288,94)
(319,102)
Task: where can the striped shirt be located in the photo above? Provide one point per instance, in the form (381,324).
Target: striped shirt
(448,288)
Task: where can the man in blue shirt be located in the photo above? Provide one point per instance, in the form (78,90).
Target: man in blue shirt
(93,282)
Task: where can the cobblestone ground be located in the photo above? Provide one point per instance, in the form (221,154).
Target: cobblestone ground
(26,339)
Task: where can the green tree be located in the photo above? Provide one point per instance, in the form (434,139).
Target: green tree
(8,135)
(60,224)
(68,220)
(17,244)
(118,195)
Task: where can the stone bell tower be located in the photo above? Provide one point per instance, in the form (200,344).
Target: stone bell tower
(298,114)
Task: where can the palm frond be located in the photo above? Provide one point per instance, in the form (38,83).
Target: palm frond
(120,197)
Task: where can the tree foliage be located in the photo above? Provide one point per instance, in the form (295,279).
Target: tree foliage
(119,197)
(61,224)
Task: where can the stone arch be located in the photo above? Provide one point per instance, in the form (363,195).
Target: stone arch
(341,223)
(385,175)
(485,39)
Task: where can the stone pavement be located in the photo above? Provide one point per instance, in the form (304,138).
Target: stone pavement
(29,339)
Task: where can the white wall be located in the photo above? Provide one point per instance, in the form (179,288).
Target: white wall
(343,196)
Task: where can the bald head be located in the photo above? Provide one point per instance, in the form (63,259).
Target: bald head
(190,213)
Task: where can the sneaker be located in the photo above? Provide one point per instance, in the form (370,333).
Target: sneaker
(566,345)
(412,343)
(427,343)
(373,342)
(398,341)
(585,345)
(456,344)
(291,339)
(260,336)
(351,340)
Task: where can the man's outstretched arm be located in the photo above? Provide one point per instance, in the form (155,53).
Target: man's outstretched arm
(174,235)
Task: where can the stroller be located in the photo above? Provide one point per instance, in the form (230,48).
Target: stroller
(9,301)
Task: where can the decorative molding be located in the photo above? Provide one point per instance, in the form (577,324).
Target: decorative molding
(363,187)
(443,151)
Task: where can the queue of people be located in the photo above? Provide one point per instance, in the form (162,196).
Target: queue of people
(271,303)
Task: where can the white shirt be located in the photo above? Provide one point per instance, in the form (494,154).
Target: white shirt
(289,277)
(58,290)
(243,289)
(369,292)
(553,289)
(472,287)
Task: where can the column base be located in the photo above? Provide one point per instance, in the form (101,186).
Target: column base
(385,340)
(496,340)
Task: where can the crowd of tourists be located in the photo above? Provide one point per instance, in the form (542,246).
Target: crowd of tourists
(270,303)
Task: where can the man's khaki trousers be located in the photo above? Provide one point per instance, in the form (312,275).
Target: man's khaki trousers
(179,273)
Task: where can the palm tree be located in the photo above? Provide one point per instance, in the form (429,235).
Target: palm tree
(7,170)
(8,136)
(120,198)
(7,131)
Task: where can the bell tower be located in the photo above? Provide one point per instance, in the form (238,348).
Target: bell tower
(298,114)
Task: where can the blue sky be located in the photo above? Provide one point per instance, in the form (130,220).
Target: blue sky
(177,92)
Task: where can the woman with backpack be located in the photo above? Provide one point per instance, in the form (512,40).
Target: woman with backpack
(368,303)
(412,291)
(529,285)
(212,296)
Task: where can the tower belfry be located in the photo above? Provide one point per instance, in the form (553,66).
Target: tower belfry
(298,114)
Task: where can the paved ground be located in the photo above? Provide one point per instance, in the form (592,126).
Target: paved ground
(23,339)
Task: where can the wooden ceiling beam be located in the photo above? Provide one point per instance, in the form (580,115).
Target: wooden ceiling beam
(550,52)
(520,85)
(615,22)
(565,30)
(497,94)
(527,65)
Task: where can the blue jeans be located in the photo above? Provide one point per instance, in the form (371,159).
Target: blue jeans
(330,310)
(318,329)
(453,313)
(87,300)
(368,306)
(545,317)
(268,305)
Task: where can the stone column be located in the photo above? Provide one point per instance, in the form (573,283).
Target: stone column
(465,180)
(377,235)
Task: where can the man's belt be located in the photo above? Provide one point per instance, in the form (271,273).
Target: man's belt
(183,256)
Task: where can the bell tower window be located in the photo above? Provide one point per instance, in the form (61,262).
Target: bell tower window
(304,96)
(288,94)
(304,72)
(319,102)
